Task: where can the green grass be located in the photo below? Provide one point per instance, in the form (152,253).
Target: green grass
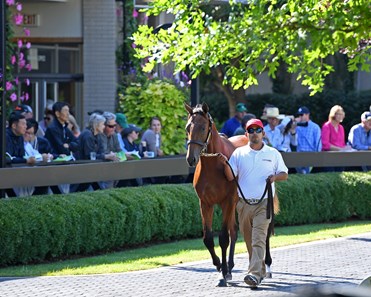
(179,252)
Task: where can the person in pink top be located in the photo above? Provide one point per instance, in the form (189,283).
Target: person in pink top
(333,135)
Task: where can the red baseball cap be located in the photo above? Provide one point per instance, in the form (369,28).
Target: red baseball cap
(255,122)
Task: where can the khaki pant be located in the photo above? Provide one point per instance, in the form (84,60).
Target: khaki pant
(254,225)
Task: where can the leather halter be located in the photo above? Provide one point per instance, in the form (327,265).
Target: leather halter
(203,144)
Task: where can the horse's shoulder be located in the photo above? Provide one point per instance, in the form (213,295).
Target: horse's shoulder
(239,140)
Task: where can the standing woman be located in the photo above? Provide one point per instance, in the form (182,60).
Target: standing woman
(152,137)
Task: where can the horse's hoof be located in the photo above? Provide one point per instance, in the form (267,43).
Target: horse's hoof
(228,277)
(268,275)
(221,283)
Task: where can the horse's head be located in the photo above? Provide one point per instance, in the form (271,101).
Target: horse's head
(198,129)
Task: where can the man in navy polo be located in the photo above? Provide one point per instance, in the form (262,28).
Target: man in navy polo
(233,123)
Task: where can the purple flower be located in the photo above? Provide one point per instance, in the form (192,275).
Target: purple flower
(13,60)
(20,43)
(8,86)
(26,96)
(18,19)
(21,63)
(26,31)
(16,80)
(135,13)
(19,6)
(10,2)
(13,97)
(28,45)
(27,81)
(29,67)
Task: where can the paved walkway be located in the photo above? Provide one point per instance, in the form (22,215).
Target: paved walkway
(336,263)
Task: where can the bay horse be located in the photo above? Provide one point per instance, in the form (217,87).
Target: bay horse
(212,187)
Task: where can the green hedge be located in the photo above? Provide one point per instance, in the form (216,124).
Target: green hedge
(46,227)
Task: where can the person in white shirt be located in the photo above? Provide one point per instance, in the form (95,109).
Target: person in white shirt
(254,164)
(273,118)
(284,136)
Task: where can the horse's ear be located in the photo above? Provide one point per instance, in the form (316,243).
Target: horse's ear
(205,107)
(188,108)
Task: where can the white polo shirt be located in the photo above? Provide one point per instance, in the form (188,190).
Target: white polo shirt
(252,168)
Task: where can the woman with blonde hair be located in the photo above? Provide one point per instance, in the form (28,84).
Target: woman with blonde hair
(333,135)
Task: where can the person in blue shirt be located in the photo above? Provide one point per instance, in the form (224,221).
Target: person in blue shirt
(360,135)
(233,123)
(308,135)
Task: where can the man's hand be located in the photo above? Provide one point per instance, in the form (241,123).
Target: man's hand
(222,158)
(271,178)
(278,177)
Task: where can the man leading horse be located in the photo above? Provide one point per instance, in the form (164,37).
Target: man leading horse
(254,165)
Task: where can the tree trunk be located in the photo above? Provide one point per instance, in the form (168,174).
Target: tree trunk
(233,96)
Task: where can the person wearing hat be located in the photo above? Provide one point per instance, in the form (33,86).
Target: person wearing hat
(308,135)
(233,123)
(360,136)
(273,118)
(129,136)
(25,110)
(285,136)
(121,124)
(253,164)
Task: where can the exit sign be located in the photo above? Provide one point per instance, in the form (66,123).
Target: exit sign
(31,20)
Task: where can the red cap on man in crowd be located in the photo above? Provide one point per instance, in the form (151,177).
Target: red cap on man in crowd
(255,122)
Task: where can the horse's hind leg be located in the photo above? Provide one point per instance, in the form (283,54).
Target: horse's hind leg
(233,235)
(228,236)
(207,219)
(268,258)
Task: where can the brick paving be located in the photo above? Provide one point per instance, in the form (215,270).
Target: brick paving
(335,264)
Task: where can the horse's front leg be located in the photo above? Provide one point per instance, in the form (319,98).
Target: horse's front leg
(228,236)
(207,220)
(224,243)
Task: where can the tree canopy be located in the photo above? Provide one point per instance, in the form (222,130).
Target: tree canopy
(250,37)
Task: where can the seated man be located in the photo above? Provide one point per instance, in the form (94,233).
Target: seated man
(60,137)
(360,136)
(15,151)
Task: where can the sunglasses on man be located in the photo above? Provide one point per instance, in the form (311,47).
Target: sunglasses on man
(256,130)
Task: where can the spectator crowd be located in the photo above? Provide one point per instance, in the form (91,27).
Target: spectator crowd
(108,136)
(299,133)
(58,137)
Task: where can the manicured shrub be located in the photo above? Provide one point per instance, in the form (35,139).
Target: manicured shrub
(47,227)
